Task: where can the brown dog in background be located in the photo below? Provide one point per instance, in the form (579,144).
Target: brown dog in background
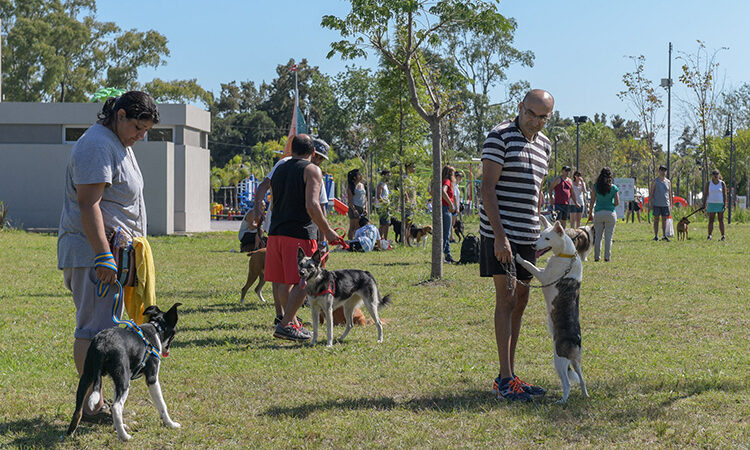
(682,229)
(416,233)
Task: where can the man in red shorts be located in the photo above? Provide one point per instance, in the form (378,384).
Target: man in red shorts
(296,211)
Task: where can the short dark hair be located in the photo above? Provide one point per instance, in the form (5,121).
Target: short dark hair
(137,105)
(303,145)
(363,220)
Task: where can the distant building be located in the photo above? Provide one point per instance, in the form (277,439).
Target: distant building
(35,141)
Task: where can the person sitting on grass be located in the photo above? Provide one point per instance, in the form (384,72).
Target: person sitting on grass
(366,237)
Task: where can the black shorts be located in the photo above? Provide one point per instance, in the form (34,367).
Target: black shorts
(356,212)
(563,212)
(489,265)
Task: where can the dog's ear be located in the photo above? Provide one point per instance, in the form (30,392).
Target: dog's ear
(151,311)
(300,254)
(543,221)
(559,228)
(316,257)
(171,315)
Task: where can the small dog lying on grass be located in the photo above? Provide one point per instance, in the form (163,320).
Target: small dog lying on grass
(327,291)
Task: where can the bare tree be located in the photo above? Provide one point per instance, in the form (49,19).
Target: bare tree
(699,74)
(644,101)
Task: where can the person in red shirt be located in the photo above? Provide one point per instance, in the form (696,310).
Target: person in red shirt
(449,208)
(561,191)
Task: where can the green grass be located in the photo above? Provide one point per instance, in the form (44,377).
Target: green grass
(665,337)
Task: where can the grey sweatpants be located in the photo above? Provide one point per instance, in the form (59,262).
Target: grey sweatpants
(93,313)
(604,225)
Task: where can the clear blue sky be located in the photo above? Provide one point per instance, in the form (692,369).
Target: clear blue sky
(580,46)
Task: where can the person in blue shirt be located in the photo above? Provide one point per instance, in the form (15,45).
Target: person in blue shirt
(366,237)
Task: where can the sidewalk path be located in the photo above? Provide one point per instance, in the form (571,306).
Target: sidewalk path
(225,225)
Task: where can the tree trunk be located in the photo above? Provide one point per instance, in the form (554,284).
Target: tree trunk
(437,216)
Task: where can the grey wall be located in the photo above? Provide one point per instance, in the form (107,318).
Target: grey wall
(23,134)
(156,160)
(32,183)
(192,194)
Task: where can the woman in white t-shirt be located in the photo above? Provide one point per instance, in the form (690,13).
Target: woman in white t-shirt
(578,195)
(715,202)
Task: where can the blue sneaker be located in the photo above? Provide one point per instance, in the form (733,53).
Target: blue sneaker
(510,389)
(534,391)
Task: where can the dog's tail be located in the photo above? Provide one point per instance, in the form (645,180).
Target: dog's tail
(92,375)
(385,301)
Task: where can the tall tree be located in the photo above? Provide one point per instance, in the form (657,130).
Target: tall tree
(483,60)
(699,74)
(179,91)
(400,31)
(644,101)
(56,50)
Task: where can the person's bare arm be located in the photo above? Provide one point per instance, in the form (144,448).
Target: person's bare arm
(451,206)
(551,190)
(592,202)
(490,175)
(260,195)
(313,182)
(89,198)
(651,195)
(617,198)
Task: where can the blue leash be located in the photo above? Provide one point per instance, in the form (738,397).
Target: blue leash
(107,260)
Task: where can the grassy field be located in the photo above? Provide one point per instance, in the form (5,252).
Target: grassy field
(665,337)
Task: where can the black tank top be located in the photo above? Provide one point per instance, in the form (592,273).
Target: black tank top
(289,216)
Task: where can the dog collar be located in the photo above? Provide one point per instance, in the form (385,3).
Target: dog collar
(330,290)
(566,255)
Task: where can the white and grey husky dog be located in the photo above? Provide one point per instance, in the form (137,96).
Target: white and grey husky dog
(329,290)
(561,281)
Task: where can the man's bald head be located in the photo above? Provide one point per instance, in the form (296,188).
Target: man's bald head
(539,97)
(534,111)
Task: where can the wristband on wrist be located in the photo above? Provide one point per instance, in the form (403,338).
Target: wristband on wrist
(105,259)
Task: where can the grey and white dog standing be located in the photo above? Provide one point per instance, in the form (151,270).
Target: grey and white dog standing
(561,281)
(328,290)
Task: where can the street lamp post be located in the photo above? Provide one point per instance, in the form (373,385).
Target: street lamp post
(730,133)
(578,120)
(667,83)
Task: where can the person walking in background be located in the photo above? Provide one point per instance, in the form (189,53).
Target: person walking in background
(382,203)
(357,196)
(604,198)
(660,201)
(560,192)
(634,207)
(515,160)
(448,209)
(715,202)
(103,192)
(577,199)
(457,200)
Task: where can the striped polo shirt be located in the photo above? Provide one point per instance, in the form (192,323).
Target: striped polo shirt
(524,165)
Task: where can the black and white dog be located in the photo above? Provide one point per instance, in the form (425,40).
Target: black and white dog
(561,281)
(119,352)
(329,290)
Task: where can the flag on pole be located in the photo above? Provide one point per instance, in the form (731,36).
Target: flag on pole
(298,120)
(296,127)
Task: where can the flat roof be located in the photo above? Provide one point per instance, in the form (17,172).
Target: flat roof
(33,113)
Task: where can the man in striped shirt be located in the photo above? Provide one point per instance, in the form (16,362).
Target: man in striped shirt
(514,164)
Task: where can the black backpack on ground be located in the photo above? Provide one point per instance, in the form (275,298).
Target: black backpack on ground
(469,250)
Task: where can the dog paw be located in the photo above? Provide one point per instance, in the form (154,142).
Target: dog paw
(519,258)
(124,436)
(562,401)
(173,425)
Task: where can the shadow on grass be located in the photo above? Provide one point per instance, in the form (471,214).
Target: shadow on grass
(38,432)
(470,400)
(207,327)
(482,400)
(226,307)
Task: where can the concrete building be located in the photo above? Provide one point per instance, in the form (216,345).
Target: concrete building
(35,141)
